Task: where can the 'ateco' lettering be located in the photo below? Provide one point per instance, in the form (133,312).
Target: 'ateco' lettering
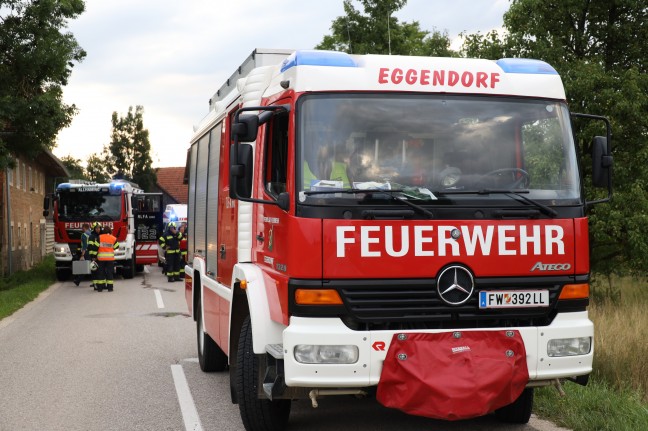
(437,78)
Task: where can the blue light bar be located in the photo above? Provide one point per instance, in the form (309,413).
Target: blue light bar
(116,188)
(64,186)
(318,58)
(526,65)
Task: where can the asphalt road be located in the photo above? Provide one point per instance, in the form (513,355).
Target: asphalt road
(76,359)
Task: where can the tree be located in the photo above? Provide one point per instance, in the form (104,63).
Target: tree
(378,32)
(36,60)
(97,166)
(130,148)
(74,168)
(599,49)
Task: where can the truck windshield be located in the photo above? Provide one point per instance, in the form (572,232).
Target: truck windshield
(88,206)
(432,145)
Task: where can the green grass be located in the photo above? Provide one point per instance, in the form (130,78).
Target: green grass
(23,287)
(617,396)
(593,407)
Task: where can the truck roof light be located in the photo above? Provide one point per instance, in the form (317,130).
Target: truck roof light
(575,291)
(526,65)
(318,58)
(116,188)
(317,297)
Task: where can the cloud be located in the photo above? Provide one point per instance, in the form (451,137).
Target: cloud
(171,57)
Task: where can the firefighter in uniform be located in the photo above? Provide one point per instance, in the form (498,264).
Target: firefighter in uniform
(106,260)
(183,249)
(93,247)
(83,249)
(170,243)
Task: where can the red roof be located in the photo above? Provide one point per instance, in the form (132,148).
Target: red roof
(169,180)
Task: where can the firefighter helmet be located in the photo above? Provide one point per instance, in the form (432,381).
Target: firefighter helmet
(93,265)
(96,225)
(172,225)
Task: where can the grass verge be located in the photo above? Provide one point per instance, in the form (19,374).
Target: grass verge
(23,287)
(596,406)
(616,397)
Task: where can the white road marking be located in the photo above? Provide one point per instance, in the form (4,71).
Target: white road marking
(187,406)
(158,298)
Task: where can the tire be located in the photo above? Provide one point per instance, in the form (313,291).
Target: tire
(257,414)
(139,268)
(128,271)
(519,411)
(210,356)
(62,274)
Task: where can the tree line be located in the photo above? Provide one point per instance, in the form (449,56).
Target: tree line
(597,46)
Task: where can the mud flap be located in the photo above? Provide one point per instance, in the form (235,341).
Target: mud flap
(453,375)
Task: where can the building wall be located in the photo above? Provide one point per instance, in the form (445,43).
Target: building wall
(25,228)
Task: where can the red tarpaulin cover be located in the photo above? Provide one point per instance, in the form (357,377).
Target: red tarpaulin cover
(443,376)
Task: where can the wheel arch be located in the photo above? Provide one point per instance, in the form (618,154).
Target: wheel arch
(264,329)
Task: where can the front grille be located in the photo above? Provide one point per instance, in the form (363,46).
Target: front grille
(415,304)
(74,234)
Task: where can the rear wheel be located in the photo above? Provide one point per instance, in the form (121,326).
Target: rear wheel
(519,411)
(210,356)
(257,414)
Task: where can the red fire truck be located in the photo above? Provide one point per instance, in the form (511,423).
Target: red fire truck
(134,216)
(409,228)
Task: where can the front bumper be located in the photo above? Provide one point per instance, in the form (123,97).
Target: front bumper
(373,346)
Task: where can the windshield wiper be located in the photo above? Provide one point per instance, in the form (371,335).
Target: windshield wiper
(389,193)
(550,212)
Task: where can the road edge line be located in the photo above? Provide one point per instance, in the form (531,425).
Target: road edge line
(187,405)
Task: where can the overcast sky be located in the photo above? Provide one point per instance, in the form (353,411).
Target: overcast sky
(171,56)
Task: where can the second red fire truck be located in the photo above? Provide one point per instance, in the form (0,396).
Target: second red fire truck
(134,216)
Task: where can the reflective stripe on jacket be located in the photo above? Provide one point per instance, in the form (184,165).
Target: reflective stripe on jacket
(171,242)
(107,246)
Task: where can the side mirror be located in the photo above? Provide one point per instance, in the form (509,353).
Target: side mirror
(601,162)
(241,171)
(246,128)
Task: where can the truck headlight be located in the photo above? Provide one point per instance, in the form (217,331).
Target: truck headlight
(569,346)
(62,249)
(318,354)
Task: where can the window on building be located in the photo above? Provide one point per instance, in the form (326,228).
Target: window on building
(18,175)
(31,180)
(24,178)
(13,237)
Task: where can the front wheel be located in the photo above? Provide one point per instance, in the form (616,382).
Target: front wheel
(62,274)
(128,270)
(519,411)
(257,414)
